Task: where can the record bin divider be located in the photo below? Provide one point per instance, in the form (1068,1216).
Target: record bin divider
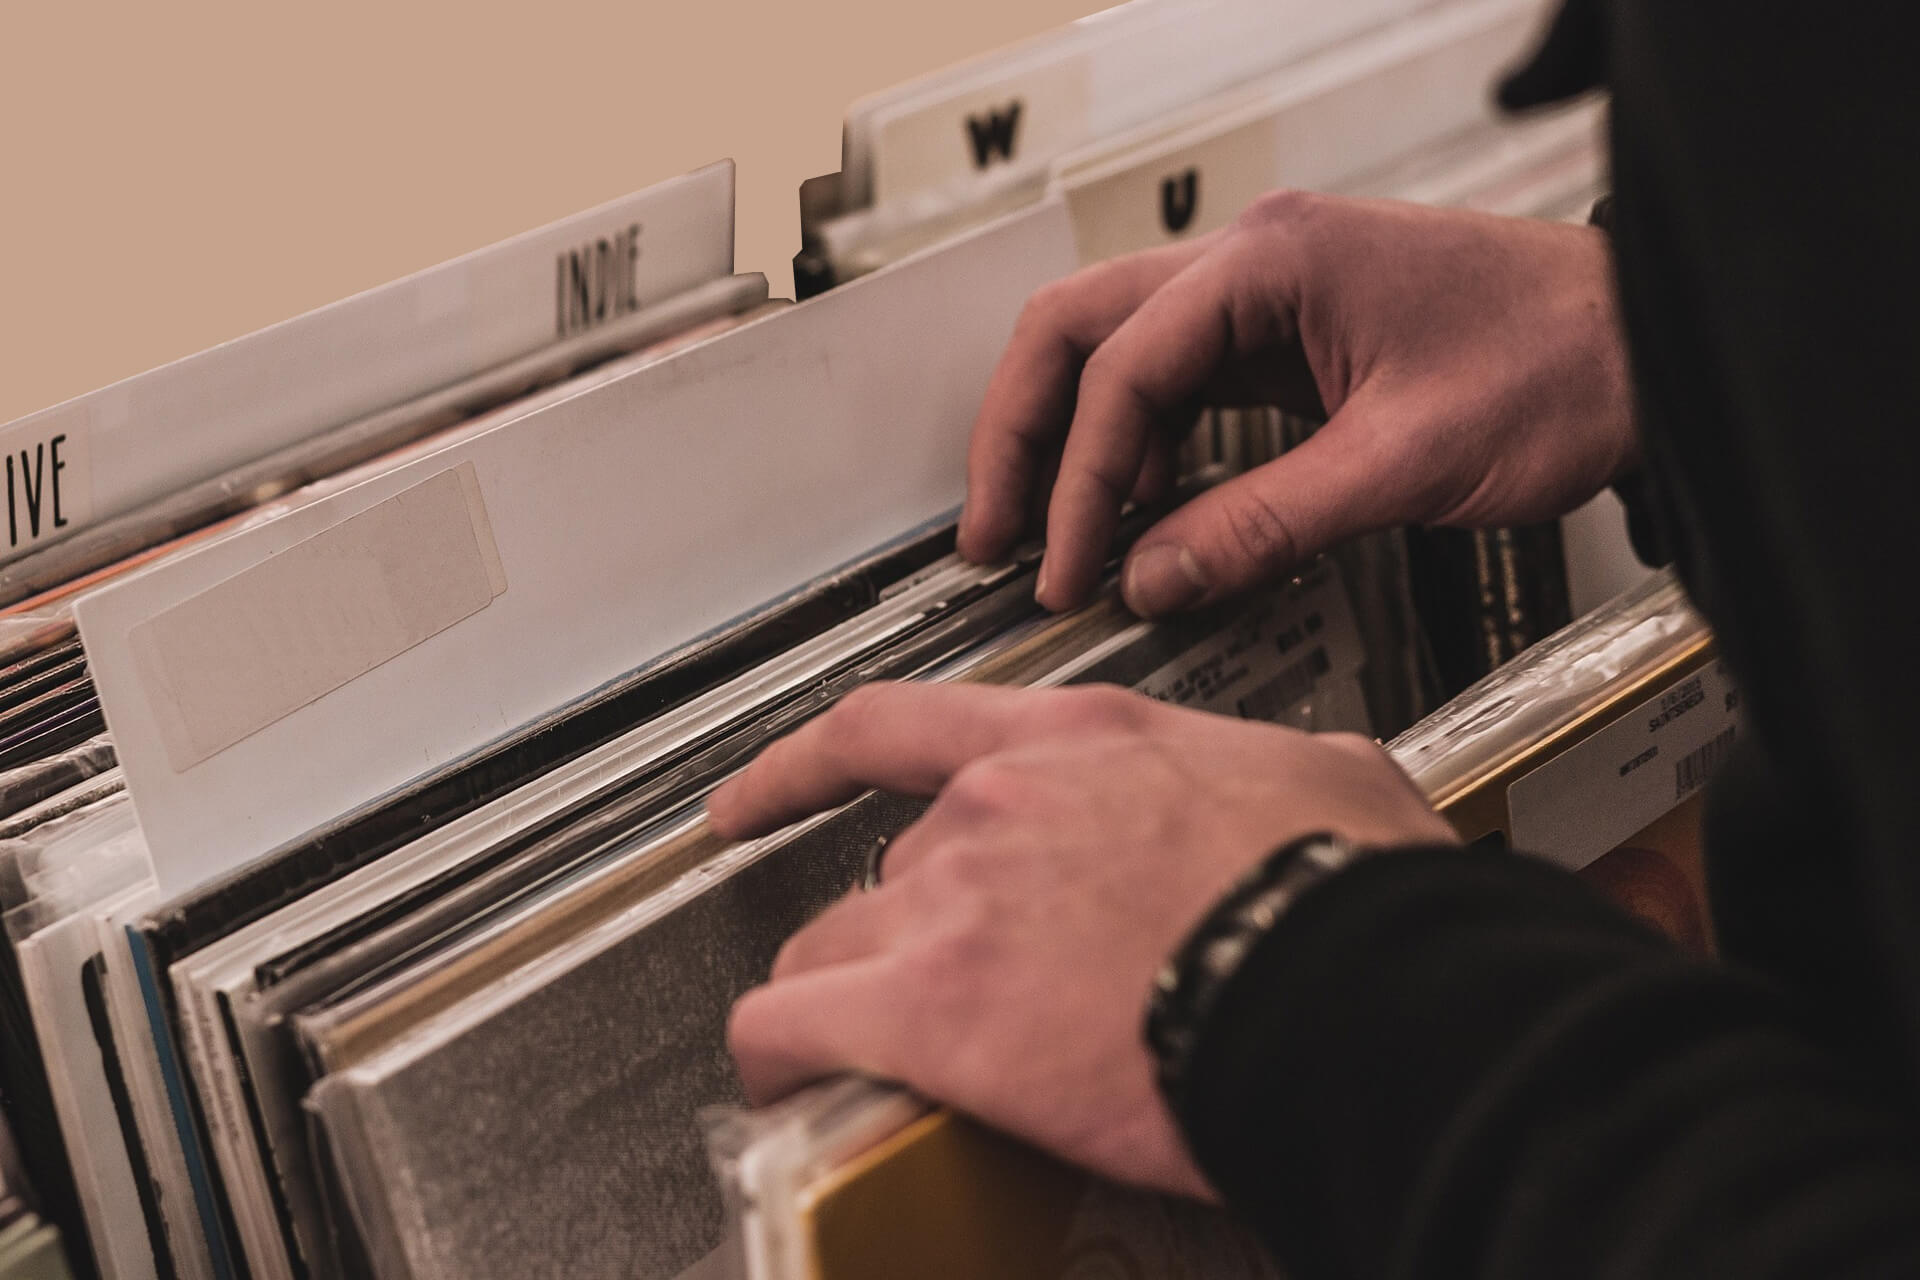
(152,434)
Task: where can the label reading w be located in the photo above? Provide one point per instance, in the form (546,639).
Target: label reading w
(993,134)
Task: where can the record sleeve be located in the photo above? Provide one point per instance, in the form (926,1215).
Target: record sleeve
(30,1250)
(298,872)
(852,1179)
(611,1003)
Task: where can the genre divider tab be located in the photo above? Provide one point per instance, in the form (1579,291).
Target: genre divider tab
(628,519)
(1313,126)
(107,452)
(1031,103)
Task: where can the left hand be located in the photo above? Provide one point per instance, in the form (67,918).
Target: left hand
(1005,962)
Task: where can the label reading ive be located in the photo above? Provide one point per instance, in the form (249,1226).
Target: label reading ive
(1597,793)
(48,478)
(224,664)
(1281,650)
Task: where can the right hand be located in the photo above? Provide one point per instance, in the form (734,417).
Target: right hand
(1472,367)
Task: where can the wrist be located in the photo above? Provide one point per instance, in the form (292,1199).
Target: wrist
(1190,983)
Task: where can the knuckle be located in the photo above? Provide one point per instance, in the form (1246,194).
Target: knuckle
(1047,307)
(1354,744)
(988,785)
(952,959)
(747,1023)
(857,711)
(1102,368)
(1257,531)
(1099,707)
(1286,207)
(791,958)
(965,870)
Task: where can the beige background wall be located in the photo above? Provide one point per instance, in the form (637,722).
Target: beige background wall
(174,175)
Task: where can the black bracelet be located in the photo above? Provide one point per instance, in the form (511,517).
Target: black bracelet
(1188,986)
(1601,215)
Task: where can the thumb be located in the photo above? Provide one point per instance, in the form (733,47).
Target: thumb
(1267,522)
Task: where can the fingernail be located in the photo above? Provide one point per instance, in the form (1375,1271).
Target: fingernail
(1163,578)
(719,800)
(1040,583)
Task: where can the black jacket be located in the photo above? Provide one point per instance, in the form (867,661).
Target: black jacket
(1457,1064)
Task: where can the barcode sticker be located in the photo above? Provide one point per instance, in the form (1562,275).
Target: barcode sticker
(1604,788)
(1281,652)
(1698,765)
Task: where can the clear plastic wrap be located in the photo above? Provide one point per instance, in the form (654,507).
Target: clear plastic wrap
(28,785)
(73,861)
(853,1180)
(22,634)
(30,1250)
(1549,687)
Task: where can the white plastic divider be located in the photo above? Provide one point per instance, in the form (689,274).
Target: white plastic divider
(1023,105)
(111,450)
(1315,125)
(626,520)
(1318,122)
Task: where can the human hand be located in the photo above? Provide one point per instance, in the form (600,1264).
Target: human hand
(1473,367)
(1004,963)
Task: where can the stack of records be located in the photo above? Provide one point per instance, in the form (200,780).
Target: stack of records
(1384,100)
(1592,748)
(363,678)
(403,971)
(29,1245)
(142,473)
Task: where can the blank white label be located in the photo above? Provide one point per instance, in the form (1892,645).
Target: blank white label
(1588,799)
(226,663)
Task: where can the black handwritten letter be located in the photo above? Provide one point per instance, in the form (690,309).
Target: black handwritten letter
(31,483)
(59,465)
(1179,200)
(993,136)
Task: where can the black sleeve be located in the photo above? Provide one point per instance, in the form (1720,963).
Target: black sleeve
(1449,1063)
(1464,1065)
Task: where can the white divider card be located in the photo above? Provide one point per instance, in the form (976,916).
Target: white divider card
(626,520)
(1325,120)
(1592,796)
(251,650)
(1024,105)
(111,450)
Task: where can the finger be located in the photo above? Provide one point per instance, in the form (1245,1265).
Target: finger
(1157,472)
(1042,494)
(790,1033)
(1029,399)
(857,926)
(1153,366)
(1271,520)
(904,738)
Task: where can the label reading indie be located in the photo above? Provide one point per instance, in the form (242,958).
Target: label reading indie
(597,281)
